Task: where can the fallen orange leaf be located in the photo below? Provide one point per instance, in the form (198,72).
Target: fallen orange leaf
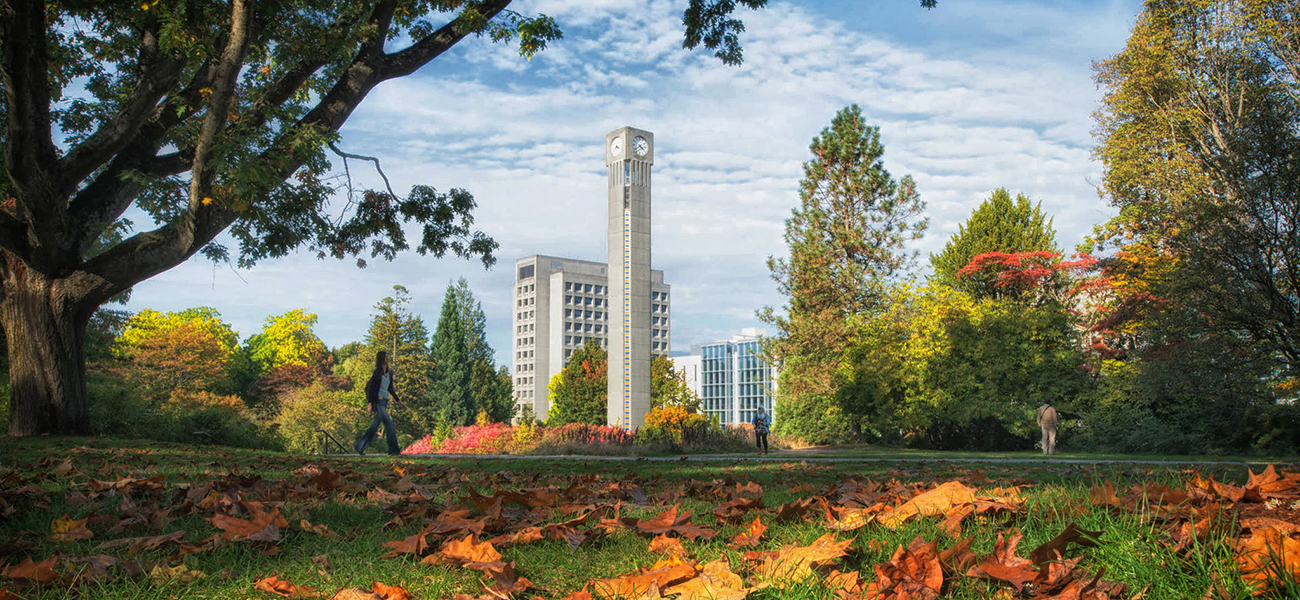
(280,587)
(750,536)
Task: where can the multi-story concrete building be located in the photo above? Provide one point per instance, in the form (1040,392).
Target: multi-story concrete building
(734,379)
(560,304)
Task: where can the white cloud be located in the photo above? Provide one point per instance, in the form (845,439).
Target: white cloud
(962,116)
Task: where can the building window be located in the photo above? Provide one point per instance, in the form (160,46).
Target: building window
(568,299)
(598,288)
(587,328)
(568,312)
(525,272)
(587,301)
(557,265)
(568,339)
(587,315)
(598,329)
(568,287)
(586,288)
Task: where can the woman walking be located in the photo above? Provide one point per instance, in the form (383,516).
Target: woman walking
(378,391)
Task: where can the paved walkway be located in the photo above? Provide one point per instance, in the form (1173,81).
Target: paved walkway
(784,458)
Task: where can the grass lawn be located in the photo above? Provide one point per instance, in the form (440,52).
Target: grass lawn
(1161,537)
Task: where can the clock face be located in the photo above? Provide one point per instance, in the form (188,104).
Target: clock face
(616,147)
(640,145)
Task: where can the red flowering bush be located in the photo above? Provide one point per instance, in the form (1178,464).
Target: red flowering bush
(478,439)
(423,445)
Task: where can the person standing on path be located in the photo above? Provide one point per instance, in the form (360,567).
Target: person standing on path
(1047,422)
(761,424)
(378,391)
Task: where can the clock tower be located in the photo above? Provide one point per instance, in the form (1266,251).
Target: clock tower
(629,153)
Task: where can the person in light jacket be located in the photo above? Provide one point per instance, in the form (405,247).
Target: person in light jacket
(762,423)
(1047,422)
(378,392)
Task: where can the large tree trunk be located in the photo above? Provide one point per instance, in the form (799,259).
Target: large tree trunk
(45,328)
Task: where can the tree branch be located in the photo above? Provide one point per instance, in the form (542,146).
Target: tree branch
(347,155)
(223,91)
(157,75)
(407,61)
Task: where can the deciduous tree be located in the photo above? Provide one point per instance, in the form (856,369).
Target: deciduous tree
(1200,141)
(186,351)
(209,118)
(578,393)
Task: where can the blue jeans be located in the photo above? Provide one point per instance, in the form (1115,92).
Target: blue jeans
(390,430)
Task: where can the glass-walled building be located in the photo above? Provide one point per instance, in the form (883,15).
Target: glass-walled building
(734,379)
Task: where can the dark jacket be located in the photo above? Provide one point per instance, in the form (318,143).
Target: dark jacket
(372,387)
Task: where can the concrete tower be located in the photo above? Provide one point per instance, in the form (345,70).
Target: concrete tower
(629,152)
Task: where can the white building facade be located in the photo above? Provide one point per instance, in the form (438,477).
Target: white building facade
(561,304)
(734,378)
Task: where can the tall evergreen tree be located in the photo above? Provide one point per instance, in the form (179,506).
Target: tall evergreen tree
(484,386)
(846,240)
(451,398)
(405,338)
(999,224)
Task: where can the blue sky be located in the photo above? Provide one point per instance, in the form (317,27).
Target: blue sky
(970,96)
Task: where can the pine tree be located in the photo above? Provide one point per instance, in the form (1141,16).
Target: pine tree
(997,225)
(451,399)
(846,241)
(485,387)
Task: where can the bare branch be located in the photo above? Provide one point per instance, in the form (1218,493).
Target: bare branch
(372,159)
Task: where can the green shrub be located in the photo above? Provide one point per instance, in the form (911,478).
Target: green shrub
(341,413)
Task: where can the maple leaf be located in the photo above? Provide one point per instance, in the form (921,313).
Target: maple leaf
(735,510)
(845,585)
(793,510)
(664,573)
(161,575)
(671,521)
(750,536)
(66,530)
(934,502)
(1268,557)
(1004,565)
(912,572)
(321,530)
(414,544)
(958,559)
(671,546)
(469,550)
(391,592)
(380,592)
(951,523)
(526,535)
(262,527)
(1055,548)
(280,587)
(38,572)
(715,582)
(792,563)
